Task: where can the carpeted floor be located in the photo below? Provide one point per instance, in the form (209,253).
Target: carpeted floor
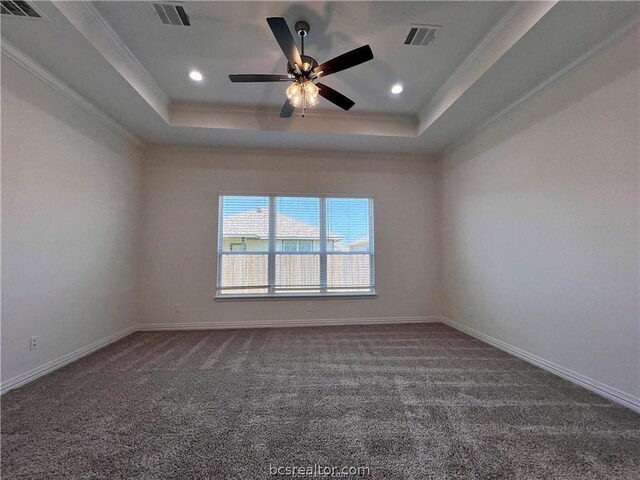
(406,401)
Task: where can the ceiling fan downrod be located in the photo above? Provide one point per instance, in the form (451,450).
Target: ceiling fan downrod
(302,28)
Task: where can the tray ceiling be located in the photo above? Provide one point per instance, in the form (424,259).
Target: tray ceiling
(487,55)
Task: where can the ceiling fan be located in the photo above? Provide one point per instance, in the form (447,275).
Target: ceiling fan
(303,71)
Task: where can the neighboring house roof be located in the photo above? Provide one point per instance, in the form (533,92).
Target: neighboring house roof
(254,224)
(359,244)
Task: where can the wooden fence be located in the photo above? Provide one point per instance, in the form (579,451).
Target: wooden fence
(295,273)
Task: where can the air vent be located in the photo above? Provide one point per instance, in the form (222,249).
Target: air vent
(172,14)
(19,9)
(421,34)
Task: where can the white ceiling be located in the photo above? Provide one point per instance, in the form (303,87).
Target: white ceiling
(488,54)
(233,37)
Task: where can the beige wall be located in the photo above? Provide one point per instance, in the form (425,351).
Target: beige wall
(540,223)
(181,189)
(537,217)
(70,190)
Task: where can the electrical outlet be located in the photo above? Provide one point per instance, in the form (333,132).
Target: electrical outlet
(309,307)
(33,343)
(177,308)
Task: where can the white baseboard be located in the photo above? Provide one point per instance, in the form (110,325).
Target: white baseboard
(60,362)
(285,323)
(595,386)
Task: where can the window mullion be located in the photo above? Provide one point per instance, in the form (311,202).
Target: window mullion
(271,261)
(220,243)
(323,244)
(372,273)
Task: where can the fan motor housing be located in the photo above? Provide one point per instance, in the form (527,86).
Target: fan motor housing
(302,28)
(306,60)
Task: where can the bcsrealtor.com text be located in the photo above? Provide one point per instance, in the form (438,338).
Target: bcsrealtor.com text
(319,471)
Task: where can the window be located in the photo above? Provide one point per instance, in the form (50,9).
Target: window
(295,246)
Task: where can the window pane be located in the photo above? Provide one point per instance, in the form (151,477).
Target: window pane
(297,218)
(306,245)
(348,273)
(245,221)
(348,224)
(297,273)
(239,272)
(290,245)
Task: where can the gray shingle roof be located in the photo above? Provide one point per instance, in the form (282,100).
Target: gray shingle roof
(254,224)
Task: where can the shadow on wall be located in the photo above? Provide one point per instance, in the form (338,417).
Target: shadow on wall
(560,96)
(28,88)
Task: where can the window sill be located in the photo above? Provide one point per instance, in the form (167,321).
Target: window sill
(304,296)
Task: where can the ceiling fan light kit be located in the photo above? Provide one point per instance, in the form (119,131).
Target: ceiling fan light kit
(303,71)
(303,95)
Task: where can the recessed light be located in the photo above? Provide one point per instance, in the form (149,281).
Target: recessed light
(195,75)
(396,89)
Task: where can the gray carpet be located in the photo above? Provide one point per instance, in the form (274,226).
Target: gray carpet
(406,401)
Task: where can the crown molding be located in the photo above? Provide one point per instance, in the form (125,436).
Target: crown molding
(115,39)
(30,65)
(501,38)
(596,49)
(475,54)
(93,26)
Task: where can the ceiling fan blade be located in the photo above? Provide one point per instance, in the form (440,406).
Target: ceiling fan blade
(248,77)
(335,97)
(284,38)
(344,61)
(287,110)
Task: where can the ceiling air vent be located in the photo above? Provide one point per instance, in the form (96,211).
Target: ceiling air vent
(172,14)
(16,8)
(421,34)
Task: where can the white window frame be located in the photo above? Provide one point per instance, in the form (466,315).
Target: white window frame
(272,252)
